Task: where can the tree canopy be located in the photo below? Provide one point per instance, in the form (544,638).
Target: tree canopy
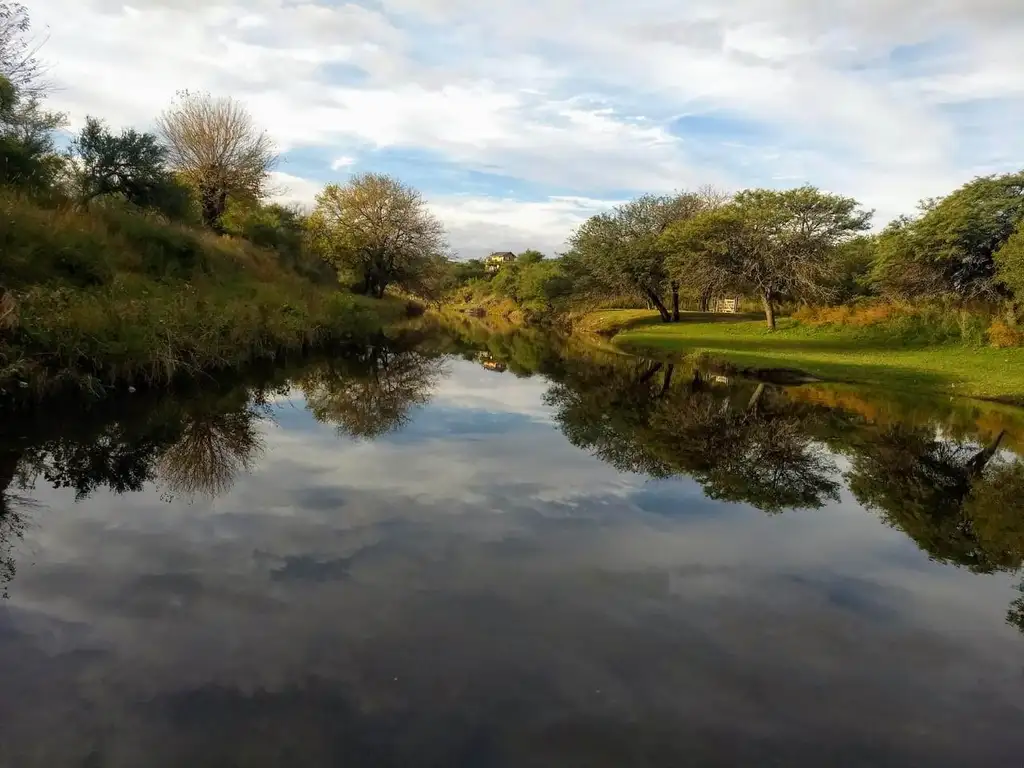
(378,232)
(621,252)
(213,144)
(773,244)
(951,247)
(129,164)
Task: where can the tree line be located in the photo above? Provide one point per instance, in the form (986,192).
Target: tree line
(209,164)
(801,246)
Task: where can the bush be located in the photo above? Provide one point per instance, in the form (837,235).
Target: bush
(1001,334)
(117,295)
(906,324)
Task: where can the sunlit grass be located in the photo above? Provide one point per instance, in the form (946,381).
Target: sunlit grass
(837,353)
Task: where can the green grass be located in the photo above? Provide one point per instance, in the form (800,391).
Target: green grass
(833,353)
(114,296)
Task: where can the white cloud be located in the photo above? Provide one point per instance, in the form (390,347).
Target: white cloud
(877,98)
(342,162)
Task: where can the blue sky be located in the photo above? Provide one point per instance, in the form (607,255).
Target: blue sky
(517,119)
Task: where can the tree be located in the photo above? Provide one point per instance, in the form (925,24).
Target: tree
(773,244)
(951,247)
(378,232)
(1009,260)
(529,256)
(214,146)
(130,165)
(18,62)
(621,251)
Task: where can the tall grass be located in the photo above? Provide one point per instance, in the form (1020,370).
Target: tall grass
(114,295)
(909,324)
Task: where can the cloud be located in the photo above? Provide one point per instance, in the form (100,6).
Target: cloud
(890,101)
(404,602)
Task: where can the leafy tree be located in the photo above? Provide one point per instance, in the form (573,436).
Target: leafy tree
(1009,261)
(621,251)
(850,267)
(466,271)
(773,244)
(214,146)
(27,155)
(378,232)
(951,247)
(528,257)
(129,165)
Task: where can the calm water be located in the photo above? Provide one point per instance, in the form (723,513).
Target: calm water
(438,554)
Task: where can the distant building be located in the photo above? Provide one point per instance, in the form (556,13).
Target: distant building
(497,260)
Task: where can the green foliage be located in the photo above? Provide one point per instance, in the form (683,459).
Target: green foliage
(281,229)
(28,159)
(951,247)
(129,166)
(1009,261)
(117,295)
(528,257)
(849,269)
(378,232)
(463,272)
(771,244)
(622,251)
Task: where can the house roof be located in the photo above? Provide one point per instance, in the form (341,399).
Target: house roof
(501,255)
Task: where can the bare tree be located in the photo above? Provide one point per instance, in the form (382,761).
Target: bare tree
(18,62)
(215,147)
(377,231)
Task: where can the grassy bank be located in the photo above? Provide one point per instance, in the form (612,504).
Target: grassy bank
(114,296)
(876,356)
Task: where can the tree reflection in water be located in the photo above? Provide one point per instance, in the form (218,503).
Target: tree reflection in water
(952,483)
(371,394)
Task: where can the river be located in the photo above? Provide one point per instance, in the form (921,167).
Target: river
(465,549)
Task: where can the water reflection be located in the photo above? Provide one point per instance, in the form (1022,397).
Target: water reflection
(442,578)
(371,393)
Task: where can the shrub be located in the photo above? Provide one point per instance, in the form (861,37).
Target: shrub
(907,324)
(1001,334)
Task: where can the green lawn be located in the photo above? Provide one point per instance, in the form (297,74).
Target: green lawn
(834,353)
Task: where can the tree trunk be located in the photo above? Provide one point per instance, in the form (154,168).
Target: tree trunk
(705,300)
(756,397)
(666,382)
(665,316)
(769,310)
(980,460)
(675,301)
(214,201)
(649,373)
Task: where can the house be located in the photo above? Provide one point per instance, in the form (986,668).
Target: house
(497,260)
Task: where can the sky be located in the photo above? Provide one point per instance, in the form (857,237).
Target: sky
(518,119)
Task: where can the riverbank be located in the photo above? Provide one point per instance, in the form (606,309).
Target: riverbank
(831,353)
(115,298)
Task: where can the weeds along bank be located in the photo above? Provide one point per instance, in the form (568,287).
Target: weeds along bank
(115,296)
